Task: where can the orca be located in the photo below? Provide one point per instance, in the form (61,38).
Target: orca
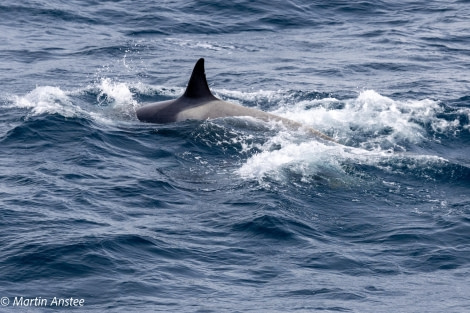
(198,103)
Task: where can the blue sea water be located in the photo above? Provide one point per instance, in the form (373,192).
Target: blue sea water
(235,215)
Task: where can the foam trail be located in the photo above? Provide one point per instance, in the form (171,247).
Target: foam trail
(380,128)
(371,120)
(304,159)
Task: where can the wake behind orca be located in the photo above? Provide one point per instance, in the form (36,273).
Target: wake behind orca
(198,103)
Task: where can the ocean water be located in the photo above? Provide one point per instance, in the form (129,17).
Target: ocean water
(235,215)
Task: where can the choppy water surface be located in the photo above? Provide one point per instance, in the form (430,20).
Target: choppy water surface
(236,215)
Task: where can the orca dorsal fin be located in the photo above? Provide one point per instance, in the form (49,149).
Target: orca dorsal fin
(197,85)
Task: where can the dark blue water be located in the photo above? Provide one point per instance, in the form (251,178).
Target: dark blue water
(235,215)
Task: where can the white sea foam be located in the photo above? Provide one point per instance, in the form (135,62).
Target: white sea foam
(305,158)
(315,158)
(381,119)
(54,100)
(118,95)
(47,99)
(380,125)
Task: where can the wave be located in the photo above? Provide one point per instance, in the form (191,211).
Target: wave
(370,121)
(373,129)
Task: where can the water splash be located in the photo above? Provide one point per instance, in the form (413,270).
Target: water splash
(118,95)
(377,131)
(47,99)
